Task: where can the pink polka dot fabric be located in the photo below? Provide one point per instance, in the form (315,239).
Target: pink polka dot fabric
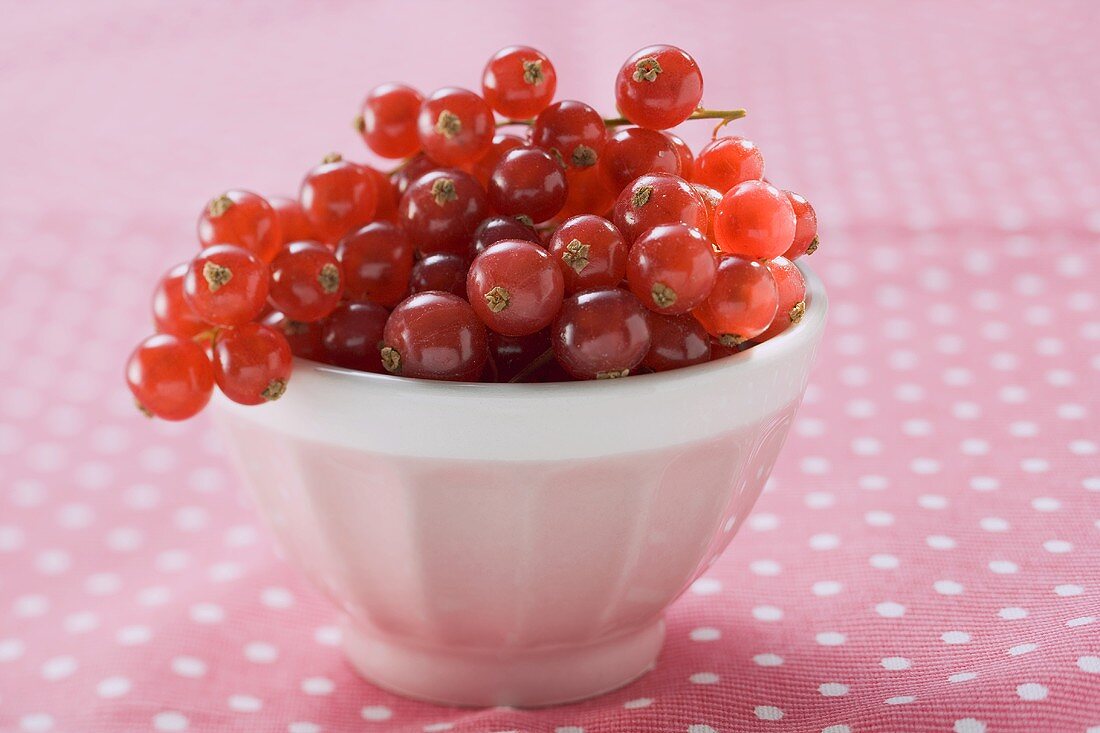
(926,555)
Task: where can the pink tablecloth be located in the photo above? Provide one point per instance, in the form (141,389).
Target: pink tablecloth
(926,557)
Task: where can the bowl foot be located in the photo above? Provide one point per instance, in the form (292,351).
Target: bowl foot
(517,678)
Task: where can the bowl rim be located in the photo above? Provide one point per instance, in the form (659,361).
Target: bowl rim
(772,350)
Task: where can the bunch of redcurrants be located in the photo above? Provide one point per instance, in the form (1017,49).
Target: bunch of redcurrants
(586,248)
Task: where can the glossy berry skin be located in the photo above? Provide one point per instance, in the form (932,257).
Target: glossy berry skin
(252,363)
(338,197)
(241,218)
(805,227)
(293,224)
(742,304)
(441,211)
(754,219)
(515,288)
(498,228)
(588,193)
(573,129)
(171,311)
(684,154)
(675,342)
(386,208)
(791,286)
(306,281)
(170,377)
(658,87)
(352,337)
(435,335)
(304,338)
(443,272)
(530,182)
(727,161)
(635,151)
(455,126)
(377,261)
(658,198)
(519,82)
(511,355)
(671,269)
(407,174)
(711,198)
(387,120)
(590,252)
(600,334)
(226,285)
(502,143)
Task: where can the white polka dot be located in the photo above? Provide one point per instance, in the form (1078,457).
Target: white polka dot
(569,729)
(376,713)
(948,587)
(318,686)
(962,677)
(896,664)
(833,689)
(36,723)
(1057,546)
(815,465)
(763,522)
(700,729)
(826,588)
(1022,649)
(1081,621)
(58,668)
(113,687)
(192,667)
(241,535)
(884,562)
(940,542)
(836,729)
(172,561)
(277,598)
(638,703)
(768,660)
(900,700)
(767,613)
(11,538)
(303,726)
(706,587)
(830,638)
(878,518)
(955,637)
(1003,567)
(768,712)
(765,567)
(824,542)
(169,722)
(1031,691)
(969,725)
(244,703)
(1068,589)
(30,606)
(1012,613)
(156,595)
(994,524)
(225,572)
(819,499)
(705,633)
(207,613)
(328,635)
(437,727)
(704,678)
(932,501)
(890,609)
(1035,465)
(1089,664)
(984,483)
(260,652)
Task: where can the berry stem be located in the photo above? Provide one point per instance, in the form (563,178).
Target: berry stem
(537,363)
(725,115)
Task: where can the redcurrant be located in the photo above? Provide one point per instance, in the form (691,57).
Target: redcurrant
(455,126)
(352,337)
(386,208)
(671,268)
(635,151)
(435,335)
(742,304)
(293,224)
(441,210)
(658,87)
(727,161)
(252,363)
(791,287)
(170,377)
(171,311)
(486,164)
(443,272)
(409,171)
(306,281)
(575,130)
(675,342)
(515,288)
(805,227)
(588,193)
(226,285)
(600,334)
(528,182)
(519,82)
(498,228)
(338,197)
(304,338)
(658,198)
(711,198)
(377,261)
(590,252)
(684,155)
(387,120)
(512,356)
(754,219)
(241,218)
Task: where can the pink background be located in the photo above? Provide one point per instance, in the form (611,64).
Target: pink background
(926,555)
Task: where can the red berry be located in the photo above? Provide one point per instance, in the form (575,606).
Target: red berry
(675,342)
(529,182)
(519,82)
(352,337)
(588,193)
(590,252)
(658,87)
(377,261)
(293,224)
(805,227)
(498,228)
(306,282)
(575,130)
(226,285)
(658,198)
(387,120)
(435,335)
(742,304)
(252,363)
(241,218)
(671,268)
(304,338)
(683,154)
(486,164)
(443,272)
(515,288)
(791,287)
(455,126)
(170,377)
(412,169)
(441,210)
(386,208)
(756,220)
(727,161)
(511,356)
(711,198)
(635,151)
(600,334)
(338,197)
(171,311)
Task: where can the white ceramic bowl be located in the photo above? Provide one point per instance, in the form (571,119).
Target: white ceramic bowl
(517,544)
